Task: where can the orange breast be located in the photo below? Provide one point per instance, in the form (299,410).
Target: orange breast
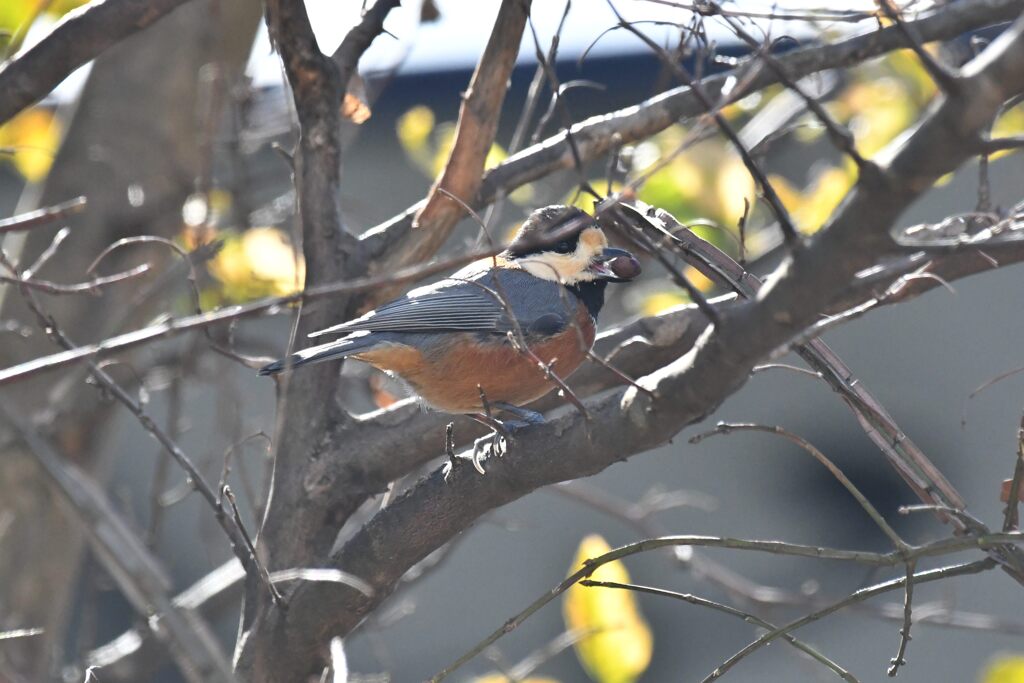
(447,378)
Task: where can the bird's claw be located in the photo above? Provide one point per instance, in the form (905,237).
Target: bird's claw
(494,444)
(498,442)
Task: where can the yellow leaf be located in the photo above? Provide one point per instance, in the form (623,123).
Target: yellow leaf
(14,14)
(659,302)
(272,259)
(698,279)
(32,138)
(812,207)
(414,128)
(444,136)
(1004,669)
(732,186)
(259,262)
(619,646)
(687,176)
(789,195)
(495,155)
(1010,123)
(500,678)
(880,109)
(909,67)
(821,200)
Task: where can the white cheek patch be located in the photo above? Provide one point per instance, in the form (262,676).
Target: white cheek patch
(568,268)
(555,267)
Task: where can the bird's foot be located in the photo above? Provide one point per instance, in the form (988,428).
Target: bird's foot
(498,441)
(494,444)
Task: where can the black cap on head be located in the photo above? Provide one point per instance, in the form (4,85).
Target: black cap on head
(547,227)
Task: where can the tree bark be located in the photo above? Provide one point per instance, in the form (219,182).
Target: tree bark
(135,134)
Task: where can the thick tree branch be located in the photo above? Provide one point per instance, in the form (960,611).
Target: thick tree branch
(474,134)
(79,38)
(631,124)
(597,135)
(629,421)
(289,536)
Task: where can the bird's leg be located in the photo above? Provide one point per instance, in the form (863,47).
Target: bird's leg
(449,449)
(491,442)
(526,416)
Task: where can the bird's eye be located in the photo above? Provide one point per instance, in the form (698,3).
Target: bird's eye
(563,247)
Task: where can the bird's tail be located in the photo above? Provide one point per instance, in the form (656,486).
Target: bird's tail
(322,352)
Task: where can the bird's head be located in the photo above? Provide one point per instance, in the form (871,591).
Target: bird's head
(564,244)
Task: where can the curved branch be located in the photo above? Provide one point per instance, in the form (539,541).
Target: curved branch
(598,134)
(79,38)
(474,135)
(627,421)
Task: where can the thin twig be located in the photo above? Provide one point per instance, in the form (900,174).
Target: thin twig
(841,136)
(900,659)
(942,76)
(275,595)
(858,596)
(894,558)
(1011,519)
(88,287)
(745,616)
(871,510)
(789,231)
(234,533)
(45,216)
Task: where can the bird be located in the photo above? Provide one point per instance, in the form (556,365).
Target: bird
(491,335)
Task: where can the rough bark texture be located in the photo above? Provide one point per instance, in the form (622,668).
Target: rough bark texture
(628,421)
(130,128)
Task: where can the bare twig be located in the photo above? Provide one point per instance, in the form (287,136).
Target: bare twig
(908,587)
(594,137)
(175,326)
(474,135)
(20,633)
(841,136)
(275,595)
(789,231)
(125,557)
(745,616)
(946,80)
(856,597)
(1011,518)
(234,532)
(772,547)
(45,216)
(871,510)
(88,287)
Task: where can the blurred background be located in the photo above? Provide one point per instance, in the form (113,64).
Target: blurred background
(177,132)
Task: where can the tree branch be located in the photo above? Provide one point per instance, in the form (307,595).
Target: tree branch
(77,39)
(597,135)
(474,134)
(631,124)
(629,421)
(125,557)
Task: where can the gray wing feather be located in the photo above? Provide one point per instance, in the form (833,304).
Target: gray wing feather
(471,305)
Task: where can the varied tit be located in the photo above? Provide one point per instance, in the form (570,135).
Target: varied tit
(458,338)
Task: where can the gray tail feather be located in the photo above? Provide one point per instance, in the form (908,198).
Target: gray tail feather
(316,354)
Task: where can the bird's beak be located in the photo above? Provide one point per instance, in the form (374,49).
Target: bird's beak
(616,265)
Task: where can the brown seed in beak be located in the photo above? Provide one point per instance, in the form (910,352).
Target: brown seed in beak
(625,267)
